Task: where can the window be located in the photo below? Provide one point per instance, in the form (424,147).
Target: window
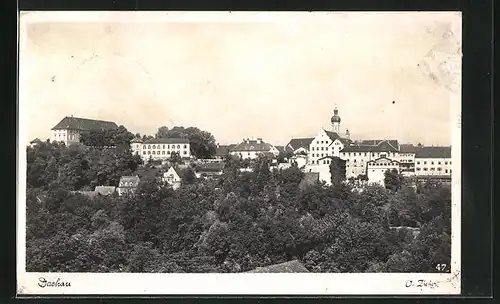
(168,152)
(445,162)
(168,146)
(373,170)
(163,152)
(324,162)
(439,168)
(365,153)
(425,163)
(154,152)
(178,146)
(445,170)
(163,146)
(154,146)
(185,146)
(185,152)
(418,169)
(149,146)
(425,169)
(144,152)
(354,160)
(149,152)
(439,163)
(432,169)
(322,154)
(432,163)
(418,163)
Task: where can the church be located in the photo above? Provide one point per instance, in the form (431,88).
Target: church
(365,158)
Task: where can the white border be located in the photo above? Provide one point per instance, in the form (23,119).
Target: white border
(232,284)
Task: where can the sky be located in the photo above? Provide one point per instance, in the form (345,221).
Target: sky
(388,74)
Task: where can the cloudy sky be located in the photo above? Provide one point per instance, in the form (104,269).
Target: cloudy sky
(274,78)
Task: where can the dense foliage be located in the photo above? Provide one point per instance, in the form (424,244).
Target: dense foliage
(234,223)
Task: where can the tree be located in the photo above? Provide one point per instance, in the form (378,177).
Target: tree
(337,170)
(393,180)
(175,158)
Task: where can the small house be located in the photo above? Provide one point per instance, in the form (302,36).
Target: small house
(128,185)
(172,178)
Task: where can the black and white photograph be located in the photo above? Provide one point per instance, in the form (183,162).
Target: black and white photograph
(239,153)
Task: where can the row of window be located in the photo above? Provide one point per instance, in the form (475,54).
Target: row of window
(325,162)
(162,147)
(322,148)
(434,169)
(432,163)
(158,152)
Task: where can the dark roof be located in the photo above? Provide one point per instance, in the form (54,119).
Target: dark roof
(129,179)
(105,190)
(309,179)
(294,266)
(373,146)
(210,167)
(36,141)
(296,143)
(84,124)
(280,148)
(434,152)
(167,141)
(333,136)
(252,145)
(408,148)
(223,150)
(345,141)
(377,142)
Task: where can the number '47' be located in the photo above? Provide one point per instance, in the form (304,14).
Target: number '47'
(441,267)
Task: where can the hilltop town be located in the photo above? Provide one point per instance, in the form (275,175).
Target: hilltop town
(102,199)
(365,160)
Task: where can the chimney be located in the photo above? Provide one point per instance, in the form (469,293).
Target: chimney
(259,140)
(347,134)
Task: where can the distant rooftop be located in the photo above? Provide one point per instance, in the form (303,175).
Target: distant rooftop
(84,124)
(294,266)
(434,152)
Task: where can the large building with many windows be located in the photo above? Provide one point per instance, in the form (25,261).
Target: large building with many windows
(68,130)
(251,149)
(160,148)
(375,155)
(433,161)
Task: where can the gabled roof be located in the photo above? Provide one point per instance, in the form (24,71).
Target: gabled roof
(280,148)
(377,142)
(296,143)
(345,141)
(171,168)
(377,146)
(136,140)
(36,141)
(84,124)
(105,190)
(294,266)
(129,181)
(434,152)
(333,136)
(252,145)
(167,141)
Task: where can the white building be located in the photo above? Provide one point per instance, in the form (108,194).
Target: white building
(128,185)
(433,161)
(68,130)
(376,169)
(251,149)
(172,178)
(161,148)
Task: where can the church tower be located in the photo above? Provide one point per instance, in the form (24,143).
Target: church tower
(335,121)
